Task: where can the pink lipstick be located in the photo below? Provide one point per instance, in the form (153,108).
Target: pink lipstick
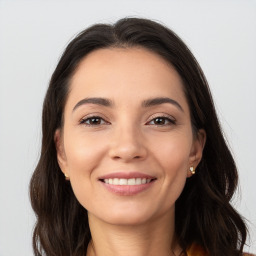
(127,184)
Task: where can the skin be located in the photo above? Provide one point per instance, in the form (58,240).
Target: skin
(127,137)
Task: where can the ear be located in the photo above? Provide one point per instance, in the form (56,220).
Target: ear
(196,150)
(61,156)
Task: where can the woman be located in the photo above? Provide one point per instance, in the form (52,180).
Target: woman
(133,158)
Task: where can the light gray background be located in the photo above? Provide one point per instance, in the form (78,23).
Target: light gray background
(33,34)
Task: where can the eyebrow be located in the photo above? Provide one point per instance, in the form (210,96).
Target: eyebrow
(159,101)
(97,101)
(146,103)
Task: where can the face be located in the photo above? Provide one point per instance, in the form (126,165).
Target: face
(127,142)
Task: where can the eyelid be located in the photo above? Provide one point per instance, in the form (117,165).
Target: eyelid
(90,116)
(162,115)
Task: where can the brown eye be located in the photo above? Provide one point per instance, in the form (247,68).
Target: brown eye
(161,121)
(93,121)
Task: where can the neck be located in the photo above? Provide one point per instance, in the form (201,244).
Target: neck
(146,239)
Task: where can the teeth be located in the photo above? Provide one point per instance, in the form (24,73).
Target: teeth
(138,181)
(132,181)
(123,182)
(115,181)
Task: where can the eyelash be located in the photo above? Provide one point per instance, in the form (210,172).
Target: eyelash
(170,121)
(84,120)
(164,118)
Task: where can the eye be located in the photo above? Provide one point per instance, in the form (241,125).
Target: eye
(93,121)
(161,121)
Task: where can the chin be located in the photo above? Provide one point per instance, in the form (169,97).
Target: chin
(125,216)
(127,219)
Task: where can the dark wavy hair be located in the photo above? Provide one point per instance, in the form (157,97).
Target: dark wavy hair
(204,214)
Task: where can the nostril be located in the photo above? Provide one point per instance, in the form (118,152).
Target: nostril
(127,151)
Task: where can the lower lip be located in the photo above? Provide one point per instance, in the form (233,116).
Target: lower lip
(127,190)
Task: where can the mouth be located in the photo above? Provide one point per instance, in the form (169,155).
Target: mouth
(130,181)
(127,183)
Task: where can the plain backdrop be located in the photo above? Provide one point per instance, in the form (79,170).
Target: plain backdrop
(33,34)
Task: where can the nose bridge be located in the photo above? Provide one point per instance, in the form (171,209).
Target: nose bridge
(127,141)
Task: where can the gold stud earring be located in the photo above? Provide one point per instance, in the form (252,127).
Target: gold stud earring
(66,176)
(192,170)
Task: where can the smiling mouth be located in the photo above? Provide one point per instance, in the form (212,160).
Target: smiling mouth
(131,181)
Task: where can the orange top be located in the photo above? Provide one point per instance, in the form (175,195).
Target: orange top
(196,250)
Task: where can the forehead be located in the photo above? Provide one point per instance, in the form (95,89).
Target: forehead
(125,74)
(112,60)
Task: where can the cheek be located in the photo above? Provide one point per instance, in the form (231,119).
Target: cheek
(83,157)
(83,154)
(173,158)
(173,152)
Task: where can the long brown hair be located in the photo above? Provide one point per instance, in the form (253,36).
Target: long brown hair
(204,214)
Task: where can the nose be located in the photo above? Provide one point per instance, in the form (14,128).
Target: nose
(127,144)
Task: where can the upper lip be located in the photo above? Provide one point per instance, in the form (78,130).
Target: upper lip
(126,175)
